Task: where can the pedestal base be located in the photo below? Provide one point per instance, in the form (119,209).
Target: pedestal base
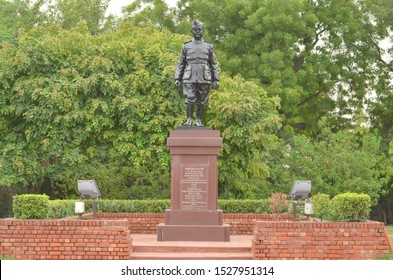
(193,233)
(201,217)
(194,188)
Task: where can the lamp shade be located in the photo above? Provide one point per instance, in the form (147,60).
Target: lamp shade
(88,189)
(300,190)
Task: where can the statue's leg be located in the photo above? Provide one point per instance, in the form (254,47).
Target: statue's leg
(201,103)
(199,115)
(189,112)
(189,94)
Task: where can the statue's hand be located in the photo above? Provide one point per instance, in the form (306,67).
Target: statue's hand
(215,85)
(177,83)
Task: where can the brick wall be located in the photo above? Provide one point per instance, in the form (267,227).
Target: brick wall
(110,237)
(146,223)
(138,223)
(316,240)
(244,224)
(65,239)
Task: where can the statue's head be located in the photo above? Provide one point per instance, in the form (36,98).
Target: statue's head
(197,29)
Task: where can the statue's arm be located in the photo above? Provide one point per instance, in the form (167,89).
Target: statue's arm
(214,69)
(181,64)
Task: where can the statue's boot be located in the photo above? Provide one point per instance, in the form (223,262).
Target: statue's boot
(189,112)
(199,115)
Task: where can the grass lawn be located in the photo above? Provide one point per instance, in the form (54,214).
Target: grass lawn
(389,229)
(3,258)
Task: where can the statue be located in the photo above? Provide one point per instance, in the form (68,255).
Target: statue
(197,69)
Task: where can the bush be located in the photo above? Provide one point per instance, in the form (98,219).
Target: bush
(134,206)
(244,206)
(350,207)
(343,207)
(65,208)
(58,209)
(321,205)
(159,206)
(30,206)
(278,203)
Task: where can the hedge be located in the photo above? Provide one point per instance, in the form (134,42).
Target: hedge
(30,206)
(63,208)
(244,206)
(350,207)
(343,207)
(321,205)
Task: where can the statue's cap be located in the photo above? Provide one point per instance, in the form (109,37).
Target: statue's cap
(197,23)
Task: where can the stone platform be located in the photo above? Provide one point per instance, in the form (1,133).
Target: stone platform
(146,247)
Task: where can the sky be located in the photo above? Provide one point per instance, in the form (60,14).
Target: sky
(116,5)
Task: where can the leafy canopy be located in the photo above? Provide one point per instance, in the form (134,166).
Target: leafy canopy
(75,105)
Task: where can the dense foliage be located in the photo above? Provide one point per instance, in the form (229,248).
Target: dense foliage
(75,106)
(329,62)
(69,98)
(342,207)
(306,93)
(350,207)
(321,205)
(66,208)
(336,162)
(30,206)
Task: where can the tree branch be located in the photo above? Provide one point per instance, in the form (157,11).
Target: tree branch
(311,97)
(307,40)
(388,65)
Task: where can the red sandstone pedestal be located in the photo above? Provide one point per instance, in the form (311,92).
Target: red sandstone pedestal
(194,181)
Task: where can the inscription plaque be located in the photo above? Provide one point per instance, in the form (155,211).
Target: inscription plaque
(194,187)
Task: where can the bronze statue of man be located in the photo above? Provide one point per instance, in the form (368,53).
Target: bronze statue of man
(197,69)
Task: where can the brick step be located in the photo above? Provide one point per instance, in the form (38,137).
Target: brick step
(146,247)
(189,249)
(190,256)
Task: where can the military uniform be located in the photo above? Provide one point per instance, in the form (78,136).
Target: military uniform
(197,68)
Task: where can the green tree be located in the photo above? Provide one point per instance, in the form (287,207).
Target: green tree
(335,162)
(16,14)
(382,11)
(384,211)
(322,58)
(7,32)
(76,105)
(69,12)
(69,98)
(155,12)
(248,120)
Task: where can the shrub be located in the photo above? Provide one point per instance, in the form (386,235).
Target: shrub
(30,206)
(58,209)
(350,207)
(278,203)
(159,206)
(243,206)
(64,208)
(134,206)
(321,205)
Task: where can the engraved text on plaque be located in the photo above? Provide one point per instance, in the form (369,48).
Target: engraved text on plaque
(194,187)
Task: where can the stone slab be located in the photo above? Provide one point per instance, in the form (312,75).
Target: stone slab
(193,233)
(179,217)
